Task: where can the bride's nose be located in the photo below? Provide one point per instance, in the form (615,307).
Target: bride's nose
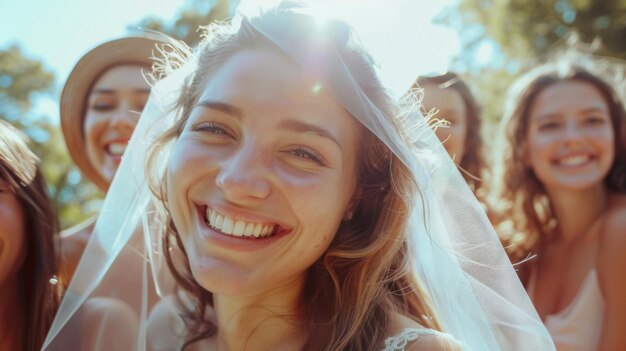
(244,175)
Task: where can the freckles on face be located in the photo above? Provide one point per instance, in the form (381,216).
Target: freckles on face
(262,175)
(570,139)
(11,234)
(113,108)
(452,109)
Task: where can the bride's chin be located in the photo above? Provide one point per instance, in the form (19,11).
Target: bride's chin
(220,278)
(222,288)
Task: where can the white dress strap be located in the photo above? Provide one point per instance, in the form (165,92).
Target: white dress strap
(400,341)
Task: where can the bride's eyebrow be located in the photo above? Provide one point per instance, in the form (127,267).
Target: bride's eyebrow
(304,127)
(223,107)
(289,124)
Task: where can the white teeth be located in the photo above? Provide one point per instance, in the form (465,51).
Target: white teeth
(219,221)
(239,228)
(212,217)
(574,160)
(227,226)
(117,148)
(257,230)
(249,229)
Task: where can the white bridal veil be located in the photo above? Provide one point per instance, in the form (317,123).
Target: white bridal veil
(459,259)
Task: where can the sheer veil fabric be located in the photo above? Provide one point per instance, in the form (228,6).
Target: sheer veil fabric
(458,257)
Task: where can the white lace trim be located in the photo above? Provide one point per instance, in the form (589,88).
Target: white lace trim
(401,340)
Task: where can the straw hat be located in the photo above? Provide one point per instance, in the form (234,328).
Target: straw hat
(129,50)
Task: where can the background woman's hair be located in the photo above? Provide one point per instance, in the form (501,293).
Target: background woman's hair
(366,275)
(516,195)
(472,163)
(19,167)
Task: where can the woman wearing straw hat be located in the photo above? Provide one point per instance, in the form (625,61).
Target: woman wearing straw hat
(100,105)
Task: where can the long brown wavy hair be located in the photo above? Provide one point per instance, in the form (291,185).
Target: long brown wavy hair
(518,197)
(472,163)
(366,275)
(39,298)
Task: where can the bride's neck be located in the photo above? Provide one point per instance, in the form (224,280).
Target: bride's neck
(262,321)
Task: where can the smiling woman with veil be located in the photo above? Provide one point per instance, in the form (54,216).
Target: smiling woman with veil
(297,209)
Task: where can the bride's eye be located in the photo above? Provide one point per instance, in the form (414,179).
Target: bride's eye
(210,127)
(307,154)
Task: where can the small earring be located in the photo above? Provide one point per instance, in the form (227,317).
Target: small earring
(348,215)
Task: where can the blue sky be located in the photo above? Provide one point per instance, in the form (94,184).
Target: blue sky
(59,32)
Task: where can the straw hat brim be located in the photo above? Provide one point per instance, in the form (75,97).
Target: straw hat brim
(129,50)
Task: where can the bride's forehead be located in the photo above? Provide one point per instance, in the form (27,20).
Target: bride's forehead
(261,75)
(266,66)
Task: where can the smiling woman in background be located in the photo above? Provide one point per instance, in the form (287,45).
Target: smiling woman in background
(561,184)
(460,134)
(100,105)
(298,207)
(28,264)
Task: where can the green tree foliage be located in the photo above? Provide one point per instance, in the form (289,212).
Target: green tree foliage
(185,27)
(502,38)
(529,29)
(21,80)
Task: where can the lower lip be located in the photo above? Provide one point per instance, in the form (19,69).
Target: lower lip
(116,159)
(235,243)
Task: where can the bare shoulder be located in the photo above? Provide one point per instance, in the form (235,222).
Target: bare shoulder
(408,335)
(613,234)
(110,317)
(617,209)
(611,259)
(611,268)
(71,244)
(166,328)
(165,324)
(76,237)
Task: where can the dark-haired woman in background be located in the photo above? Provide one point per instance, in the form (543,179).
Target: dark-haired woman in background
(28,294)
(451,97)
